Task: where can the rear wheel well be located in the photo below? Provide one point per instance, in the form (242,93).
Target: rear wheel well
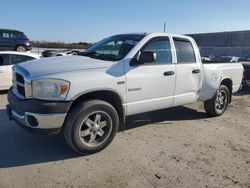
(108,96)
(20,45)
(228,82)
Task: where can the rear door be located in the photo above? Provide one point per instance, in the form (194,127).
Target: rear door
(188,71)
(151,86)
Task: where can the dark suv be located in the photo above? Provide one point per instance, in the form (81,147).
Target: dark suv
(14,40)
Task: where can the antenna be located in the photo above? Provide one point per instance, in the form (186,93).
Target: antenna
(164,29)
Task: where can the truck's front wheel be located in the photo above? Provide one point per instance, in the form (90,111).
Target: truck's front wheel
(218,104)
(91,126)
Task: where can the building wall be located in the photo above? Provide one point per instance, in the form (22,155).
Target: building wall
(236,43)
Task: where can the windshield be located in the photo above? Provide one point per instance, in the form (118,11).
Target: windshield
(113,48)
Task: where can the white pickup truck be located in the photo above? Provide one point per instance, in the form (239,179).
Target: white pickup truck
(87,97)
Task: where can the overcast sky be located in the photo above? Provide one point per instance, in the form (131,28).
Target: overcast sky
(79,20)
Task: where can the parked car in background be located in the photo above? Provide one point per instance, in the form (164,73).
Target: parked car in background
(206,59)
(246,58)
(7,60)
(223,59)
(52,53)
(14,40)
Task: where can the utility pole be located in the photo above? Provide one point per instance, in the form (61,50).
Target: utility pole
(164,29)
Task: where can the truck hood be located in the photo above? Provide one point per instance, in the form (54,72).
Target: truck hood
(52,65)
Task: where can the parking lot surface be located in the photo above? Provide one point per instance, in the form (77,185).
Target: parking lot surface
(177,147)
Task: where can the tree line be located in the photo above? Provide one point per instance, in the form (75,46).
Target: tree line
(60,44)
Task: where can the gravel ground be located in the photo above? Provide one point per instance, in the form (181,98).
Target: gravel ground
(177,147)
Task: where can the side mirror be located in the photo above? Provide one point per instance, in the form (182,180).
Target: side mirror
(145,57)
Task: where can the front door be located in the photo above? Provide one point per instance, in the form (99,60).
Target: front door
(151,86)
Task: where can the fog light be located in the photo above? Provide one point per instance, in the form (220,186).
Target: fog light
(32,121)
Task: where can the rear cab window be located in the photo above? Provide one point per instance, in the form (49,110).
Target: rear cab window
(184,51)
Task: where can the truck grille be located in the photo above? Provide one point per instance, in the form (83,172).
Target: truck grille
(21,84)
(19,78)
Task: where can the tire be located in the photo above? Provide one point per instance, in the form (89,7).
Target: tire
(94,119)
(218,104)
(21,48)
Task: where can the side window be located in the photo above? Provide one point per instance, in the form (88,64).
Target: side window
(6,35)
(13,34)
(184,50)
(162,49)
(1,60)
(4,60)
(15,59)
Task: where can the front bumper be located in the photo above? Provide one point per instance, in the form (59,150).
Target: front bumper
(37,115)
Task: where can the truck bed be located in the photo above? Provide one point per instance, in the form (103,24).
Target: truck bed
(214,73)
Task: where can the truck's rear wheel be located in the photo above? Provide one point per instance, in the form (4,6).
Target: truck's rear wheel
(218,104)
(91,126)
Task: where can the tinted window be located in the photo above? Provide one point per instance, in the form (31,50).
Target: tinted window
(9,34)
(14,34)
(184,50)
(162,49)
(5,34)
(19,35)
(1,60)
(15,59)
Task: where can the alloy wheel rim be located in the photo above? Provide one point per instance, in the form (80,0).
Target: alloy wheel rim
(95,128)
(221,100)
(20,49)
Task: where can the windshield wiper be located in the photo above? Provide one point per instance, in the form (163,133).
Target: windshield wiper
(88,53)
(97,56)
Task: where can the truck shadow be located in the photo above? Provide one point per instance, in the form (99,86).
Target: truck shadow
(166,116)
(19,147)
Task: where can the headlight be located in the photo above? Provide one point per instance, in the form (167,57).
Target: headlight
(50,89)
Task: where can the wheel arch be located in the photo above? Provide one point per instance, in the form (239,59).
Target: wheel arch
(106,95)
(229,83)
(20,45)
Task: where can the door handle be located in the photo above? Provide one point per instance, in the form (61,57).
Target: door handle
(168,73)
(196,71)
